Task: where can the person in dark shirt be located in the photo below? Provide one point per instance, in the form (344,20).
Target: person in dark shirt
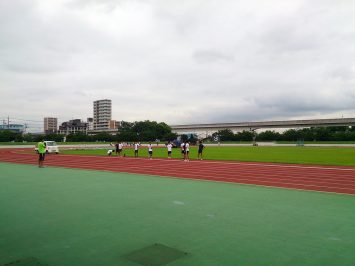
(200,150)
(116,148)
(183,149)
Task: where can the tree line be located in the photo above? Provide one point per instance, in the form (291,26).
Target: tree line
(152,130)
(305,134)
(129,131)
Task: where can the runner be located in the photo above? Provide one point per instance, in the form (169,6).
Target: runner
(150,150)
(136,146)
(169,146)
(200,149)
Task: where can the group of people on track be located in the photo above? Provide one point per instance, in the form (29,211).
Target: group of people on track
(185,150)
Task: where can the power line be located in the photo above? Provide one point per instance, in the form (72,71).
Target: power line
(27,120)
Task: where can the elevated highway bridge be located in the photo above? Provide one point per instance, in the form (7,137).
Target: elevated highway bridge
(208,129)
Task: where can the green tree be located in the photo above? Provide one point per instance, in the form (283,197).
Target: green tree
(7,135)
(244,136)
(224,135)
(79,137)
(55,137)
(268,135)
(144,131)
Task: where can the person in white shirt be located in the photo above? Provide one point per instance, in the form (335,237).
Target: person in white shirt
(187,151)
(150,150)
(169,146)
(120,148)
(136,146)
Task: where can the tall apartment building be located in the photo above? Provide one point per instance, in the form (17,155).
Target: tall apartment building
(102,114)
(50,125)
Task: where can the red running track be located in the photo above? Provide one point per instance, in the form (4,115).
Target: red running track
(317,178)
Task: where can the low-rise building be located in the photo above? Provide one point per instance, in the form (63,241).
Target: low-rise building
(17,128)
(90,122)
(73,126)
(114,124)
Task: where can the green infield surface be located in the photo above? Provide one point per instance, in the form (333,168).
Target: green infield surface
(298,155)
(57,216)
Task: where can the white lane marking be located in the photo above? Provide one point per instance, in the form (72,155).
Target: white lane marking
(178,202)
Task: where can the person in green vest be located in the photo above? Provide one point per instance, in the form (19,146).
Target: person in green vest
(42,152)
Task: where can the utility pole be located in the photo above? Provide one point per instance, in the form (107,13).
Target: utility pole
(8,122)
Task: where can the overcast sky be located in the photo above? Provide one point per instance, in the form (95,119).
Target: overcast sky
(180,62)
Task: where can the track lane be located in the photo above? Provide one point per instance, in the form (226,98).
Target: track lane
(318,178)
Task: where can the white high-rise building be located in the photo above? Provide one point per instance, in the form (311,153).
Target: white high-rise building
(102,114)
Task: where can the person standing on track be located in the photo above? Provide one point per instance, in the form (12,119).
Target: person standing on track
(41,152)
(187,151)
(200,150)
(116,148)
(183,150)
(169,146)
(120,147)
(136,146)
(150,150)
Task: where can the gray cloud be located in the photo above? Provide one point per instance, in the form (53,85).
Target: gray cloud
(178,61)
(211,57)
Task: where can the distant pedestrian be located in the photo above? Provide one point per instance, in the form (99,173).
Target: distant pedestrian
(41,146)
(200,150)
(150,150)
(136,146)
(169,146)
(116,148)
(120,148)
(187,151)
(183,150)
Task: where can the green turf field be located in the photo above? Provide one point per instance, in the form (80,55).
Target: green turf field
(213,142)
(283,142)
(298,155)
(62,216)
